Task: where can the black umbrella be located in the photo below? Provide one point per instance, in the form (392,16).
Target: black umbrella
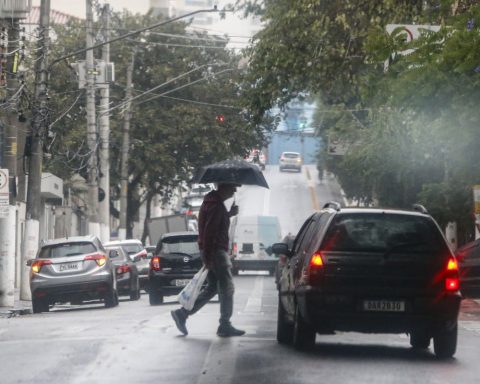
(231,171)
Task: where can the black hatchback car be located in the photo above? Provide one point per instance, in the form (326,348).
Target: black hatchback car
(174,263)
(369,270)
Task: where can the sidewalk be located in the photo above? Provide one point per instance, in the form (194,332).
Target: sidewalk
(20,307)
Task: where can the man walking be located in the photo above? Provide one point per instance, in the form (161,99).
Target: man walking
(213,224)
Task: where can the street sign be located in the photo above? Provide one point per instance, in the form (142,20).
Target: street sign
(4,194)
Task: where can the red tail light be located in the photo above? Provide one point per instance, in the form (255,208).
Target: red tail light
(123,269)
(452,281)
(235,248)
(316,260)
(155,263)
(38,264)
(314,271)
(98,258)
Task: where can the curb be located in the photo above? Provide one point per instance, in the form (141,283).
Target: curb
(15,312)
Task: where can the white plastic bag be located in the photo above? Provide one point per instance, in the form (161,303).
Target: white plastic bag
(189,294)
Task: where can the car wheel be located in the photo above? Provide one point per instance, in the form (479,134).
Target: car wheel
(445,342)
(111,299)
(419,340)
(155,298)
(39,305)
(303,333)
(284,329)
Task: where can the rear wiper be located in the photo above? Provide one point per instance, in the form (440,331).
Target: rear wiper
(402,245)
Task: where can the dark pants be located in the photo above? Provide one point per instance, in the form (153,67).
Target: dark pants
(219,280)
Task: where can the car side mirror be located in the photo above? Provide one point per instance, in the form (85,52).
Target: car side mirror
(269,250)
(112,254)
(281,249)
(29,262)
(136,259)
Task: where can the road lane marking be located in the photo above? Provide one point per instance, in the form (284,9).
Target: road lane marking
(254,302)
(220,361)
(473,326)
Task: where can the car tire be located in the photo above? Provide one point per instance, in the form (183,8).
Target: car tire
(284,329)
(155,298)
(303,333)
(111,299)
(39,305)
(445,341)
(419,340)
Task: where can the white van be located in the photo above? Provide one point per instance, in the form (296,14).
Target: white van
(250,239)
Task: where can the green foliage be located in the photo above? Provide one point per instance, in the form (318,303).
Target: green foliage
(170,135)
(413,129)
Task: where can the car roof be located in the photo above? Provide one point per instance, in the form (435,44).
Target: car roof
(73,239)
(123,242)
(182,233)
(361,210)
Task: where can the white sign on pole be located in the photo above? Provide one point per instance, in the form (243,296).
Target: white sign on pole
(4,193)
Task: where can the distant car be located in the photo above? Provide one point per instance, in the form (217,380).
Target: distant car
(200,189)
(251,237)
(72,270)
(290,160)
(370,270)
(135,248)
(469,261)
(150,251)
(173,265)
(126,272)
(256,156)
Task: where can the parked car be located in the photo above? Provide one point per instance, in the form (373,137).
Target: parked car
(200,189)
(290,160)
(469,262)
(251,238)
(135,250)
(370,270)
(126,272)
(72,270)
(150,251)
(174,263)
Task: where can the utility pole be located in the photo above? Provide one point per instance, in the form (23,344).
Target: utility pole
(122,233)
(104,127)
(92,136)
(8,214)
(35,152)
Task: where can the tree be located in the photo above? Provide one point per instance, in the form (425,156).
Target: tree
(170,134)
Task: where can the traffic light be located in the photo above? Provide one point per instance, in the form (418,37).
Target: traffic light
(220,118)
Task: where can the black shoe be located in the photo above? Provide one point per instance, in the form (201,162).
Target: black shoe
(229,331)
(180,321)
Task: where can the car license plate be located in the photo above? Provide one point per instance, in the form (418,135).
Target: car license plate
(181,282)
(68,267)
(384,306)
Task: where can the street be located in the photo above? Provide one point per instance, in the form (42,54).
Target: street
(138,343)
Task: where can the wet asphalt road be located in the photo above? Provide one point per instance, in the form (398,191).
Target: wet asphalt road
(138,343)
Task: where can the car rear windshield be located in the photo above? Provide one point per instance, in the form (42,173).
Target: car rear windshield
(384,232)
(182,244)
(291,155)
(66,250)
(131,249)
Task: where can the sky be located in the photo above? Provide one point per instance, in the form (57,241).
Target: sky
(232,25)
